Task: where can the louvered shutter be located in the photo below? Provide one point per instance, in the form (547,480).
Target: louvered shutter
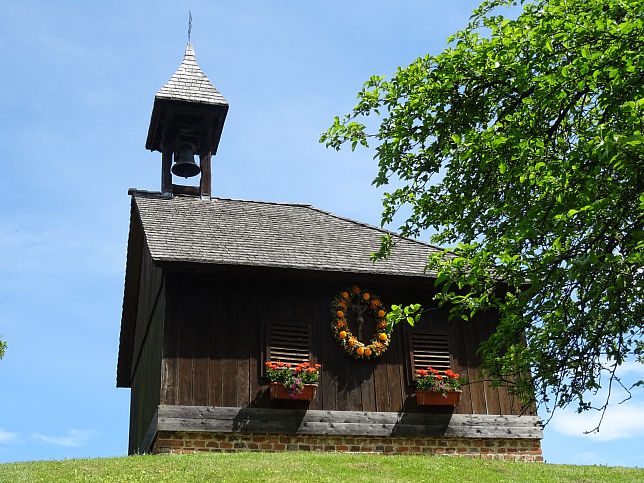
(429,349)
(288,343)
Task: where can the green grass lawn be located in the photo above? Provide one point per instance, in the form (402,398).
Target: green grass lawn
(305,466)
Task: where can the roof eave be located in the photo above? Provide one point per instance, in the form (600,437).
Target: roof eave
(130,299)
(163,111)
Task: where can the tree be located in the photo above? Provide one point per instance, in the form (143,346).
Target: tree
(3,347)
(521,144)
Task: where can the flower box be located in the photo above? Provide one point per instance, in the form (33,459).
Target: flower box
(433,398)
(280,391)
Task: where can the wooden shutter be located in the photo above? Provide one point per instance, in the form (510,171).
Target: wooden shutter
(287,342)
(429,349)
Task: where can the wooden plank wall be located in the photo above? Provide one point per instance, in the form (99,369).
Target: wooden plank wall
(213,348)
(146,378)
(151,278)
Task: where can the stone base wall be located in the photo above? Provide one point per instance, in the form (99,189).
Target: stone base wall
(486,448)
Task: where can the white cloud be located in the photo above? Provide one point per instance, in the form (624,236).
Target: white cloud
(74,438)
(620,422)
(7,437)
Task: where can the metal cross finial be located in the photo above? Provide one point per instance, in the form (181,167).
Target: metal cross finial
(189,24)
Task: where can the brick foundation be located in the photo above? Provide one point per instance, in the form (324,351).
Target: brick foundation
(499,449)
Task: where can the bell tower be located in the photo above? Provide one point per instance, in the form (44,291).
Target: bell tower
(187,120)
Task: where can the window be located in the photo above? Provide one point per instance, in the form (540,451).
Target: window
(429,348)
(287,342)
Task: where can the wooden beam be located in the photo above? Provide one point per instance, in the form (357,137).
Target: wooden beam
(150,434)
(179,189)
(166,174)
(205,182)
(353,423)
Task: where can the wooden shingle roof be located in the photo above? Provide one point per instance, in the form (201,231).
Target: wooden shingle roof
(281,235)
(250,237)
(190,84)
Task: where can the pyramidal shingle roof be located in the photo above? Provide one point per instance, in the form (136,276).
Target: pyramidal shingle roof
(190,84)
(280,235)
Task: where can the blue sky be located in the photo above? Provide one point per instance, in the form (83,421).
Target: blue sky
(76,94)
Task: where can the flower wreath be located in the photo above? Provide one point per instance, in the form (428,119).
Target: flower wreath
(359,301)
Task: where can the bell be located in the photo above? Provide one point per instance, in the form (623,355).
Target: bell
(185,166)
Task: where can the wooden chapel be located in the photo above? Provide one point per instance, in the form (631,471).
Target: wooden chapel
(216,287)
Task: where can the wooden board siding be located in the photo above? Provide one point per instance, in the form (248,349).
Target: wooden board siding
(151,278)
(147,380)
(214,346)
(459,356)
(146,357)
